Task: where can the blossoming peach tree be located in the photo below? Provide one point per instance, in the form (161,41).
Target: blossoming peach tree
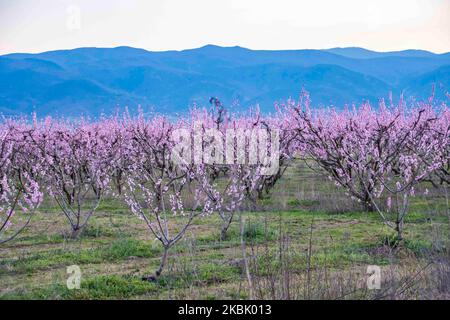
(172,158)
(379,154)
(20,193)
(154,183)
(76,169)
(406,151)
(238,154)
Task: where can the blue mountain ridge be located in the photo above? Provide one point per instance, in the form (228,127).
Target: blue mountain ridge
(92,81)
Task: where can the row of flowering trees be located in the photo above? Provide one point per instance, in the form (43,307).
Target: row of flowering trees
(378,154)
(170,172)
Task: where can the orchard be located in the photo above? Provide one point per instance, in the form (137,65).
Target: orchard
(378,155)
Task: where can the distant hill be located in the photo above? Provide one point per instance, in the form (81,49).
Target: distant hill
(361,53)
(95,80)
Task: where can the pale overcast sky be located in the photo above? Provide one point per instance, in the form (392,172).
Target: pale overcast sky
(383,25)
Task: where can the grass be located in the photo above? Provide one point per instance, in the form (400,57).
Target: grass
(303,225)
(99,287)
(115,264)
(118,250)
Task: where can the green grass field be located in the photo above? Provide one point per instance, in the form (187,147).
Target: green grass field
(305,241)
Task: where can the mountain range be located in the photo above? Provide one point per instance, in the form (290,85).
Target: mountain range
(92,81)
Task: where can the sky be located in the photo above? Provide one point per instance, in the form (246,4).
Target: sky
(157,25)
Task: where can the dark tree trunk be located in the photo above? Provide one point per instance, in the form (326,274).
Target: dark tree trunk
(368,206)
(367,203)
(76,232)
(399,229)
(226,224)
(155,276)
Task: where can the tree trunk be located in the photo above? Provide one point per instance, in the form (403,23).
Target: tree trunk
(155,276)
(369,207)
(367,202)
(226,224)
(399,229)
(223,233)
(76,231)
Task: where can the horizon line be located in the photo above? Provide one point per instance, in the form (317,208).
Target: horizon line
(222,46)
